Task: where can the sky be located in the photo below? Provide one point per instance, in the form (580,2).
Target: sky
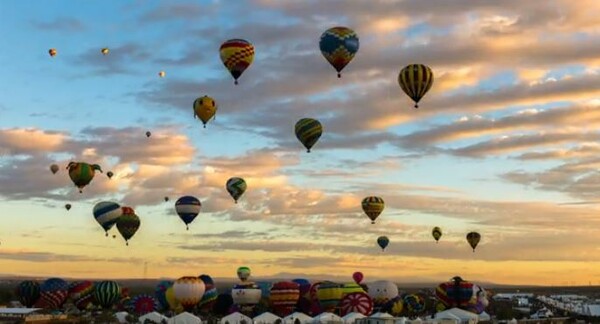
(505,143)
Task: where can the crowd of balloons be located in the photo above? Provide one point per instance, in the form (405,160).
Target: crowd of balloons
(200,295)
(338,45)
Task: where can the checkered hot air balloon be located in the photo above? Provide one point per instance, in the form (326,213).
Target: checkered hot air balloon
(106,213)
(128,224)
(187,207)
(373,207)
(236,55)
(308,131)
(236,187)
(339,45)
(188,291)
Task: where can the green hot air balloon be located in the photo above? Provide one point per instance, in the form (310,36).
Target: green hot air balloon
(236,187)
(128,224)
(308,131)
(28,292)
(82,173)
(107,293)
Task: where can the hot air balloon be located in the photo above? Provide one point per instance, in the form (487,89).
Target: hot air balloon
(339,45)
(284,296)
(329,295)
(52,52)
(382,291)
(415,304)
(166,198)
(53,293)
(82,294)
(128,223)
(415,80)
(107,293)
(160,293)
(473,238)
(236,55)
(148,134)
(210,293)
(187,207)
(394,306)
(174,304)
(110,174)
(205,108)
(106,214)
(144,304)
(351,287)
(357,302)
(105,51)
(236,187)
(28,292)
(68,206)
(188,291)
(358,277)
(161,74)
(303,285)
(383,242)
(308,131)
(82,173)
(373,206)
(54,168)
(436,233)
(223,304)
(246,295)
(243,273)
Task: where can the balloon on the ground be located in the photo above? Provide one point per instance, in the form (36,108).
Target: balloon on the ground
(358,277)
(28,292)
(143,304)
(188,291)
(382,291)
(356,302)
(329,295)
(210,293)
(107,293)
(243,273)
(53,293)
(284,296)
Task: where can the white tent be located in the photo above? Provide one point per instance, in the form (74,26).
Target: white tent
(236,318)
(449,321)
(300,317)
(154,317)
(267,318)
(401,320)
(350,318)
(185,318)
(461,315)
(485,317)
(121,317)
(327,318)
(381,318)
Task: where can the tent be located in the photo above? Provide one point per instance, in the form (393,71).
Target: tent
(236,318)
(461,315)
(328,318)
(122,317)
(297,318)
(185,318)
(154,317)
(381,318)
(267,318)
(484,317)
(350,318)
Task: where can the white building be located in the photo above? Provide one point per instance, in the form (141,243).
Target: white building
(267,318)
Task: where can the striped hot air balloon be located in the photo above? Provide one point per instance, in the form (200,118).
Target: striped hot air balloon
(236,187)
(236,55)
(415,80)
(28,292)
(128,224)
(351,287)
(160,293)
(107,293)
(308,131)
(143,304)
(106,214)
(82,294)
(188,291)
(187,207)
(329,295)
(53,293)
(210,293)
(339,45)
(373,207)
(284,296)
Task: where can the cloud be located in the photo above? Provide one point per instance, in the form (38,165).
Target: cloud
(44,257)
(62,24)
(16,141)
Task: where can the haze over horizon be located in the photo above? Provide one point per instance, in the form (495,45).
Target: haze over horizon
(505,143)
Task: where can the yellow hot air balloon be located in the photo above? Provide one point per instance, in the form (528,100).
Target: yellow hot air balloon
(161,74)
(52,52)
(415,80)
(373,206)
(105,51)
(174,304)
(188,291)
(236,55)
(205,108)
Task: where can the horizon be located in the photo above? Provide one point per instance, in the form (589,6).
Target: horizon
(505,143)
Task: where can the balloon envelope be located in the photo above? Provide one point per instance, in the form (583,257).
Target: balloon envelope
(339,45)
